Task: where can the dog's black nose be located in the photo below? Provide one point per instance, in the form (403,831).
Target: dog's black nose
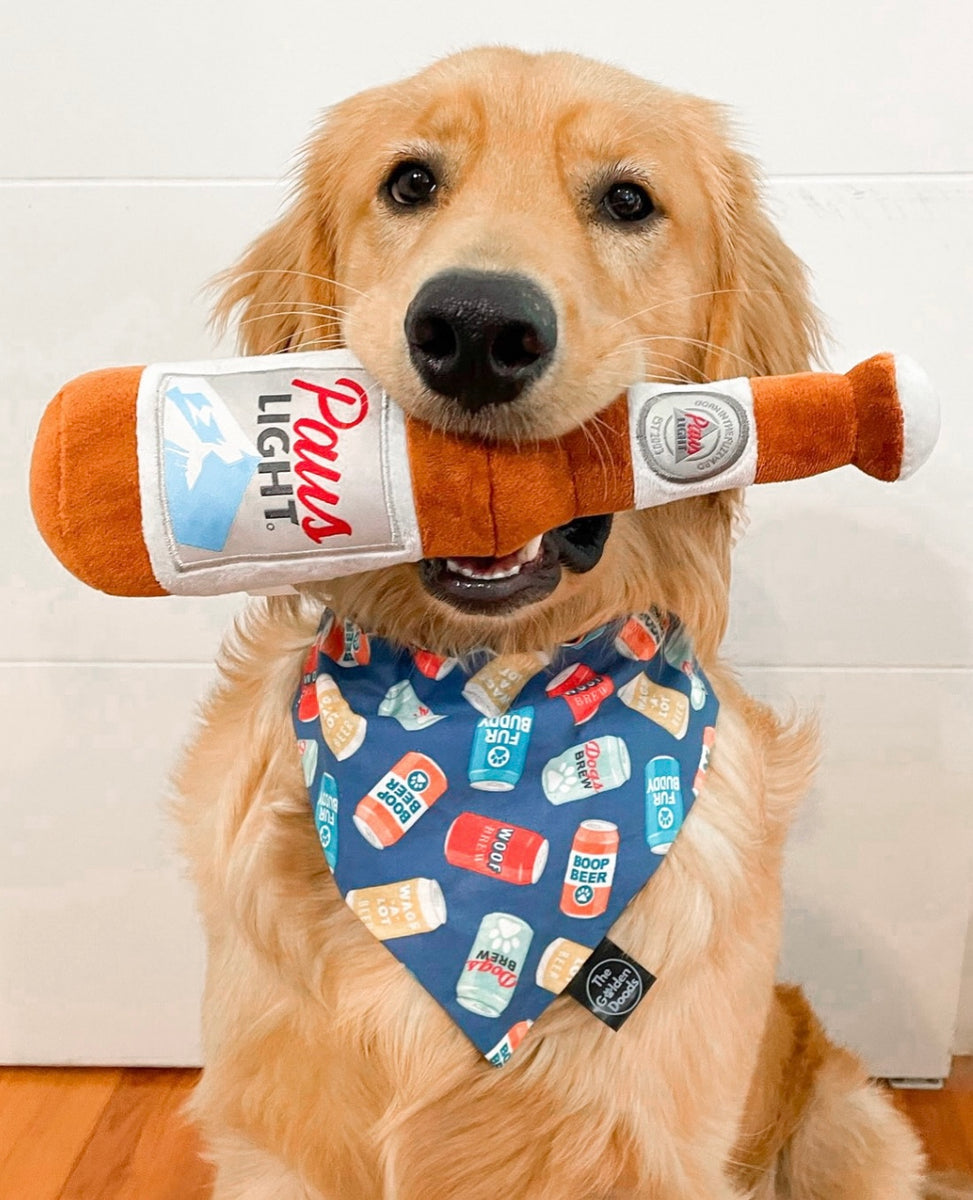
(480,337)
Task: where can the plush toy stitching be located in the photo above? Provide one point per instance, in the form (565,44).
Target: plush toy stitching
(491,508)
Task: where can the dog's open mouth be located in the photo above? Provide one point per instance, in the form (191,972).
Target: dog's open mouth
(497,585)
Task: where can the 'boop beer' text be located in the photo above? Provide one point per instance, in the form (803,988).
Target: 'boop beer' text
(315,446)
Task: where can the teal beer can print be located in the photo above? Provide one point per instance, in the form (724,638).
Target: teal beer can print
(494,963)
(499,750)
(663,803)
(326,818)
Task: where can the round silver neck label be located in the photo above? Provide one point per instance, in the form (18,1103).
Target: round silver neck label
(686,436)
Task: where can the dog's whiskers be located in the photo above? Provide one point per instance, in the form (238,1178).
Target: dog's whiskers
(720,349)
(750,368)
(312,305)
(296,341)
(596,437)
(660,374)
(746,291)
(661,354)
(325,342)
(305,274)
(288,312)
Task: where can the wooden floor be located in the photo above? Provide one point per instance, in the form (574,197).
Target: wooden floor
(120,1135)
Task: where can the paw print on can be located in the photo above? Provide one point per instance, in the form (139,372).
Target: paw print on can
(417,780)
(498,756)
(505,933)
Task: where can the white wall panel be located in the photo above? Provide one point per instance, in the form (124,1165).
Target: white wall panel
(963,1042)
(100,949)
(225,88)
(877,879)
(842,569)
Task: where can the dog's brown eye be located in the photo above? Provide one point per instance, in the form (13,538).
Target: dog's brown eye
(627,202)
(411,183)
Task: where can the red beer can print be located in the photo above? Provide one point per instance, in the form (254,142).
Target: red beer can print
(570,677)
(709,740)
(582,690)
(433,666)
(330,633)
(640,637)
(394,804)
(496,849)
(591,869)
(307,705)
(346,644)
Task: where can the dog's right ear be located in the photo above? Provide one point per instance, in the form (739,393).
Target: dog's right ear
(281,292)
(762,320)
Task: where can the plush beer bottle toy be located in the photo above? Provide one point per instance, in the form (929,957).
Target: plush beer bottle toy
(258,473)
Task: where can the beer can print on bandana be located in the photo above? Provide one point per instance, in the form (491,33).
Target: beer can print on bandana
(494,964)
(667,706)
(496,849)
(582,690)
(587,770)
(405,792)
(489,819)
(500,750)
(402,703)
(326,818)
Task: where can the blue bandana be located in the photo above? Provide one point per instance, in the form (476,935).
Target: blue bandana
(489,820)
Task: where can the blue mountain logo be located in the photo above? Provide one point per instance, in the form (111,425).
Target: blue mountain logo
(209,461)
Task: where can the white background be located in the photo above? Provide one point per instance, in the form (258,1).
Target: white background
(140,146)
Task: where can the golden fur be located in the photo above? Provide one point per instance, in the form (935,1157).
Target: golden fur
(330,1074)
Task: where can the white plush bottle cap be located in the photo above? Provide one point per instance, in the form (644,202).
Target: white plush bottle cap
(920,414)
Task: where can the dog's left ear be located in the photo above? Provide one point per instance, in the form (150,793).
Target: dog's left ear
(762,321)
(282,293)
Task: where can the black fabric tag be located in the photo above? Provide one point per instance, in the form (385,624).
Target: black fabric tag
(611,984)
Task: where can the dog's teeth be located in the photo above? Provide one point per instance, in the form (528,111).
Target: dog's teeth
(529,552)
(459,569)
(469,573)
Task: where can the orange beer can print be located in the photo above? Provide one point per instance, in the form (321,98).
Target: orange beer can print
(394,804)
(345,643)
(641,636)
(503,1050)
(307,706)
(433,666)
(591,869)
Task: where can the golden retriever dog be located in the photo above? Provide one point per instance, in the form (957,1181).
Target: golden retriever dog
(609,232)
